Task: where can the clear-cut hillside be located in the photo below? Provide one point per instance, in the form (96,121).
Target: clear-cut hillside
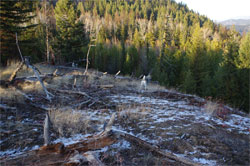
(185,125)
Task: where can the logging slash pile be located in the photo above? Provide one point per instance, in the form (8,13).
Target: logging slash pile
(57,115)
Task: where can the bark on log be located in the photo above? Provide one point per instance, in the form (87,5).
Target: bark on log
(58,154)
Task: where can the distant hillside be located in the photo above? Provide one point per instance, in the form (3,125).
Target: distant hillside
(241,25)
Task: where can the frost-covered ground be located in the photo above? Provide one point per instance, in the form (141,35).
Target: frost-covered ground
(185,129)
(174,122)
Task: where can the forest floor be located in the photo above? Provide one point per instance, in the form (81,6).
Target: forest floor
(204,131)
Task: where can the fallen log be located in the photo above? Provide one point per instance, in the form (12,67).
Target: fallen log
(79,153)
(13,75)
(106,86)
(155,150)
(72,92)
(58,154)
(34,78)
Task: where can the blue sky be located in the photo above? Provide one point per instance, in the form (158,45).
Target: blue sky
(219,10)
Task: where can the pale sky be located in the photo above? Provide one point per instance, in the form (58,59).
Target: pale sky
(219,10)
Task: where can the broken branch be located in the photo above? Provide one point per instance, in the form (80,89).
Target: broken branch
(73,92)
(46,133)
(13,75)
(35,70)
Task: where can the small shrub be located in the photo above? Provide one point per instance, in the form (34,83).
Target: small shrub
(132,113)
(210,108)
(69,122)
(216,110)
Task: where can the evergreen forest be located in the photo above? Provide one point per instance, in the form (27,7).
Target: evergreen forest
(178,47)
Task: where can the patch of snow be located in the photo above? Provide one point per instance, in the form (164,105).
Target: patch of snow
(168,115)
(11,152)
(74,139)
(236,122)
(35,147)
(10,117)
(122,144)
(205,161)
(163,110)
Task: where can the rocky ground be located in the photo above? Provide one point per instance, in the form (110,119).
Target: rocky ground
(189,126)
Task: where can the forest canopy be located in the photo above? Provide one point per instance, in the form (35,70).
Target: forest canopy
(181,49)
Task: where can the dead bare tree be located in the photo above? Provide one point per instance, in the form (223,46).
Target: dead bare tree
(26,61)
(87,58)
(48,94)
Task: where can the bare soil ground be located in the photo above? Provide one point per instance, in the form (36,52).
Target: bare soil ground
(201,130)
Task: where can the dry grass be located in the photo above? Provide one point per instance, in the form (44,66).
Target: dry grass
(132,112)
(5,72)
(154,87)
(211,108)
(60,81)
(69,122)
(93,78)
(127,82)
(10,94)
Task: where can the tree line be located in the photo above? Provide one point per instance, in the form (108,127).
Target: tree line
(180,48)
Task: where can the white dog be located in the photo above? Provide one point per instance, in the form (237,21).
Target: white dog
(144,83)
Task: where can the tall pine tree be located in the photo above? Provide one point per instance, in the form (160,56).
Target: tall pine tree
(70,31)
(15,17)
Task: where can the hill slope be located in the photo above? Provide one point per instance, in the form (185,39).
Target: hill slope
(241,25)
(186,125)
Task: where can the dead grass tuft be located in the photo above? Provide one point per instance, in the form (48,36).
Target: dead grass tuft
(28,87)
(132,112)
(10,94)
(211,108)
(5,72)
(69,122)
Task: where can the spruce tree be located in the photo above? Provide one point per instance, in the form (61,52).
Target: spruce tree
(70,31)
(197,57)
(15,17)
(189,83)
(243,60)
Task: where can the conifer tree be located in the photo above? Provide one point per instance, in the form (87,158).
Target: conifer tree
(189,83)
(70,31)
(15,17)
(197,57)
(243,61)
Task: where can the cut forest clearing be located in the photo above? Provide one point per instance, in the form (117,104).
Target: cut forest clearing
(102,119)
